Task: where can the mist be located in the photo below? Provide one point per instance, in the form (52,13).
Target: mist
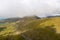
(21,8)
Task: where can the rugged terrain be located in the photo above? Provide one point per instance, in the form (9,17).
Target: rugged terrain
(31,28)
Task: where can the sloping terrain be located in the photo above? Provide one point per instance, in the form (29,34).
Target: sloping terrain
(32,28)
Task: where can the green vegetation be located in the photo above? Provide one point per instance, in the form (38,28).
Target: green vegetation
(31,28)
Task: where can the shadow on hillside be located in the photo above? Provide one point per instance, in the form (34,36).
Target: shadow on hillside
(47,33)
(2,28)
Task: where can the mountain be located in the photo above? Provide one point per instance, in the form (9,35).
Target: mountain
(2,18)
(12,19)
(32,28)
(53,16)
(9,20)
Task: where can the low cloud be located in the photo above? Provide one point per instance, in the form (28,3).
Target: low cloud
(21,8)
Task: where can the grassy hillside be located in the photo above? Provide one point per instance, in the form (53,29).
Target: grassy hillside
(31,28)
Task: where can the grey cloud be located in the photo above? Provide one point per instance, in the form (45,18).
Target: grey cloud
(20,8)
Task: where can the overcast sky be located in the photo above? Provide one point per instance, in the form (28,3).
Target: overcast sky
(20,8)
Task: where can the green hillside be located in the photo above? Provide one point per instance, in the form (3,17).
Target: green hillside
(31,28)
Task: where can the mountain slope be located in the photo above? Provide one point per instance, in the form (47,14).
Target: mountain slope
(33,29)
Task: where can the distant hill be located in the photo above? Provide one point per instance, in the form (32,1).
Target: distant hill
(9,20)
(12,19)
(2,18)
(53,16)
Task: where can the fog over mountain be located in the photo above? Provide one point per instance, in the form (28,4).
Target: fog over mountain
(21,8)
